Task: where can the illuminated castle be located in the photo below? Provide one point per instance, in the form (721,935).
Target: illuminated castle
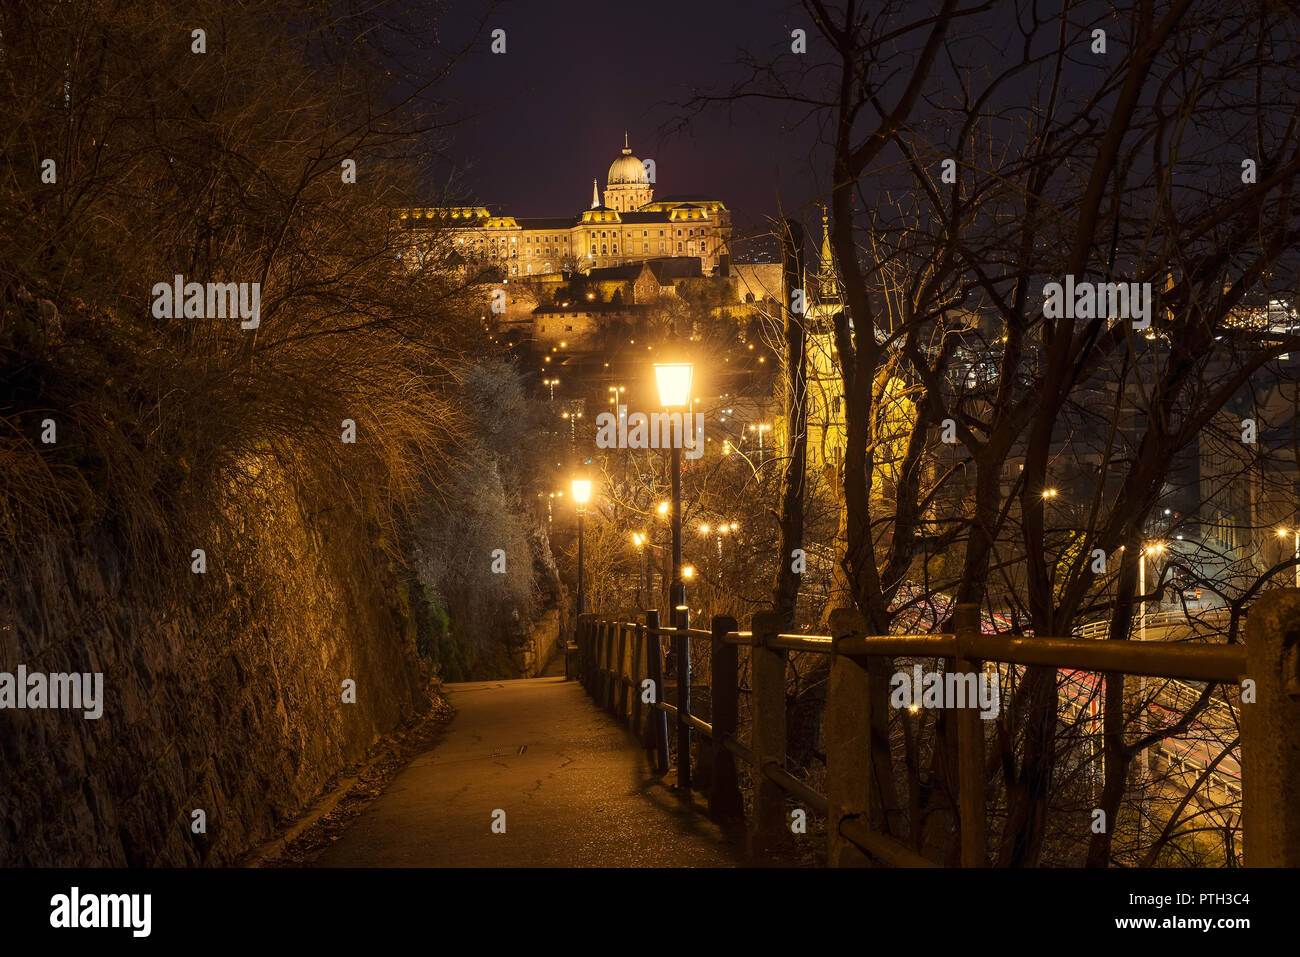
(628,226)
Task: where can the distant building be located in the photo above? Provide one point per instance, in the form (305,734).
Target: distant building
(626,225)
(577,312)
(827,431)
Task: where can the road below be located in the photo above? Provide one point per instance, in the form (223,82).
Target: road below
(575,789)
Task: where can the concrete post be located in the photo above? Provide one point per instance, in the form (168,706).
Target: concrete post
(847,736)
(1270,745)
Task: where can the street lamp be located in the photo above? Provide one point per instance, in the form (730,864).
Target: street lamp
(581,495)
(1155,549)
(1282,533)
(1142,586)
(674,380)
(642,585)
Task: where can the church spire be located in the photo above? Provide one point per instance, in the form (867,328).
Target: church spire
(827,288)
(595,194)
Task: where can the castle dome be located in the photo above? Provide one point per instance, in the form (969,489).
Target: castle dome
(627,170)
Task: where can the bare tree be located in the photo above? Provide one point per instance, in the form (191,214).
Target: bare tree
(974,154)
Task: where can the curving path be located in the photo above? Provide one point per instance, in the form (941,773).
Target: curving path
(575,788)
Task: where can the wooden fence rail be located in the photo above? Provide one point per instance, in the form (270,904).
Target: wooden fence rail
(620,664)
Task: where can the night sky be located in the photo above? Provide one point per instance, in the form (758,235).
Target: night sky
(549,115)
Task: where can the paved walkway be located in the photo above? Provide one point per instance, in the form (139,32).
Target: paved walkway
(575,788)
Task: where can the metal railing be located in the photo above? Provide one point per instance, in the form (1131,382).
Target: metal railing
(621,666)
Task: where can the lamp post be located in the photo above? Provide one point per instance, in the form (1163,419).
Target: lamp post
(1282,533)
(663,510)
(1142,636)
(1142,586)
(581,495)
(674,381)
(642,587)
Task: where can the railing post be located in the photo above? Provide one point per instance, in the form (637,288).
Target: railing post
(638,667)
(658,719)
(847,736)
(970,748)
(581,664)
(607,646)
(682,644)
(607,666)
(725,802)
(602,663)
(768,830)
(1270,746)
(624,675)
(593,676)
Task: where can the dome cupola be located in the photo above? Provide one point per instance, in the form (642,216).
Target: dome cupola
(628,184)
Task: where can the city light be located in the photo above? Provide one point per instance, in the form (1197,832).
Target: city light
(674,380)
(582,491)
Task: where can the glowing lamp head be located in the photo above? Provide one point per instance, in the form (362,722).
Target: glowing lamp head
(688,571)
(582,491)
(674,379)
